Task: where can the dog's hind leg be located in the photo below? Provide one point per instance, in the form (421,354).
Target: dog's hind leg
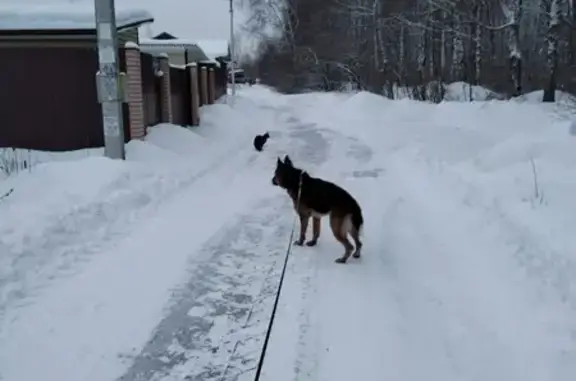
(356,237)
(337,224)
(315,231)
(304,218)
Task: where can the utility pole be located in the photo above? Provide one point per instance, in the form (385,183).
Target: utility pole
(232,49)
(109,80)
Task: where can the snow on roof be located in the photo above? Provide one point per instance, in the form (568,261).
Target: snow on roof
(195,53)
(214,48)
(179,43)
(64,16)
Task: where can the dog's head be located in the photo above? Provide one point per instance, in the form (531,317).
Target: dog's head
(286,175)
(266,136)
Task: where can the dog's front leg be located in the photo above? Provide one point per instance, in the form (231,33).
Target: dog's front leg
(304,218)
(315,232)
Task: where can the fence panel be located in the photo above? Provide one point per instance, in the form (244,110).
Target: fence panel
(54,106)
(220,71)
(179,88)
(151,90)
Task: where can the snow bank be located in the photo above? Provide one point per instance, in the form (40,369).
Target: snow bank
(453,92)
(365,101)
(464,92)
(176,139)
(537,96)
(70,199)
(58,185)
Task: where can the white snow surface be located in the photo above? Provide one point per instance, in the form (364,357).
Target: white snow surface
(62,15)
(164,267)
(177,42)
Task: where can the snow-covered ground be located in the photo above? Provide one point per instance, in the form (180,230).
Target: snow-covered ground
(164,267)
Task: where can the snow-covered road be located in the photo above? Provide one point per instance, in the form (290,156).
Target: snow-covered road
(461,279)
(444,289)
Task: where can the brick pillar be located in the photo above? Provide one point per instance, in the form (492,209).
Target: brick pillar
(195,92)
(211,86)
(134,92)
(166,112)
(204,84)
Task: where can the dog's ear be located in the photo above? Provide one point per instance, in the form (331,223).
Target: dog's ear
(279,162)
(287,161)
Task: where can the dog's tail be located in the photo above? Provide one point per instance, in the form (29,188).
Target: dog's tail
(357,220)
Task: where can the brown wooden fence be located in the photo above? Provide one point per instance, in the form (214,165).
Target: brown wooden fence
(151,89)
(221,79)
(48,97)
(181,97)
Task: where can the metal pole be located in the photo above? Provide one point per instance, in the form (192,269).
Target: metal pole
(110,93)
(232,49)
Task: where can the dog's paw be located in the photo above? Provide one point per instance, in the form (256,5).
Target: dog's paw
(300,242)
(340,260)
(356,255)
(312,242)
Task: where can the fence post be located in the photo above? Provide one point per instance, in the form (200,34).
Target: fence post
(166,93)
(195,93)
(211,86)
(204,84)
(134,91)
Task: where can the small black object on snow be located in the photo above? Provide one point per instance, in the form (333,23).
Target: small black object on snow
(260,140)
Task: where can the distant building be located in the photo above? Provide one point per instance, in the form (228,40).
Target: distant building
(180,51)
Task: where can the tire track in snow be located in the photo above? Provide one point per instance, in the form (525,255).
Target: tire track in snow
(223,337)
(218,321)
(216,327)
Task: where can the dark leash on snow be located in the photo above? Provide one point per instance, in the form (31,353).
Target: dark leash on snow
(280,284)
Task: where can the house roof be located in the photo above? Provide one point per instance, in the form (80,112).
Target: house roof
(195,53)
(64,18)
(164,36)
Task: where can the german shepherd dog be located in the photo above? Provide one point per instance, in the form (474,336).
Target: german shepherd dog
(260,140)
(317,199)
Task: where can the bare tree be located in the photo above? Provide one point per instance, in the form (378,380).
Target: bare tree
(510,46)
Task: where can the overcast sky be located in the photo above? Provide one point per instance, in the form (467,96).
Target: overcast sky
(189,19)
(196,20)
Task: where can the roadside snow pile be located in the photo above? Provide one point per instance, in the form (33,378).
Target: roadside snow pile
(453,92)
(60,204)
(175,139)
(560,97)
(50,191)
(464,92)
(364,103)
